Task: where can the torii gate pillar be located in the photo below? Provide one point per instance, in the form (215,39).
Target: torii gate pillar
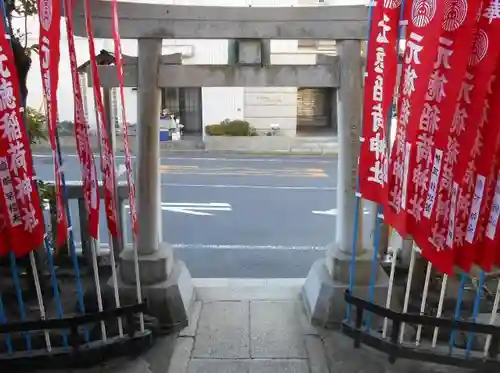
(165,282)
(323,291)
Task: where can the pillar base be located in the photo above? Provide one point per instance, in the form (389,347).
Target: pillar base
(323,291)
(166,285)
(153,268)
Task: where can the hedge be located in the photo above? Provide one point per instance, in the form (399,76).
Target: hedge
(231,128)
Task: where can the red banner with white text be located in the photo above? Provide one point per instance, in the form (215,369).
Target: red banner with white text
(83,144)
(381,64)
(443,177)
(20,200)
(432,193)
(50,34)
(128,162)
(107,156)
(425,19)
(479,138)
(482,239)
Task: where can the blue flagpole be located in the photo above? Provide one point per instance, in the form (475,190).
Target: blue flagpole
(352,267)
(379,219)
(71,238)
(373,269)
(475,312)
(19,296)
(3,321)
(458,310)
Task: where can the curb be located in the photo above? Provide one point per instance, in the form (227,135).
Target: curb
(45,148)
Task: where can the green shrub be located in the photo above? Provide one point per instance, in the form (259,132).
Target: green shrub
(214,130)
(231,128)
(236,128)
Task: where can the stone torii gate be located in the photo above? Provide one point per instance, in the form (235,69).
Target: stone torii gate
(167,282)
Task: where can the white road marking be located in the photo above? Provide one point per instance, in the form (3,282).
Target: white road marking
(244,186)
(199,246)
(335,212)
(194,208)
(285,158)
(248,247)
(229,186)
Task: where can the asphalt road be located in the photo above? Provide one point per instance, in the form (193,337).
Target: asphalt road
(238,216)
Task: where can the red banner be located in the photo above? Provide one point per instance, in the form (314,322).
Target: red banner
(475,176)
(482,239)
(49,12)
(4,233)
(20,202)
(425,19)
(84,149)
(107,156)
(381,65)
(432,193)
(128,163)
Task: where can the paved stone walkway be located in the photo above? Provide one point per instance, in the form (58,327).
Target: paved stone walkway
(246,336)
(273,337)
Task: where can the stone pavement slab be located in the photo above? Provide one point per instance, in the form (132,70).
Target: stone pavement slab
(223,331)
(275,331)
(256,336)
(248,366)
(217,366)
(279,366)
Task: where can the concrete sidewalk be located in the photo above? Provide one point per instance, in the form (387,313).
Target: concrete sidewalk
(237,144)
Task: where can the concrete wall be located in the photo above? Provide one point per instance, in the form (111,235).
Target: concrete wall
(272,144)
(267,105)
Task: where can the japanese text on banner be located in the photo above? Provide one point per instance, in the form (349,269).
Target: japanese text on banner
(107,156)
(432,194)
(482,238)
(478,139)
(83,147)
(128,163)
(380,83)
(21,204)
(49,39)
(425,20)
